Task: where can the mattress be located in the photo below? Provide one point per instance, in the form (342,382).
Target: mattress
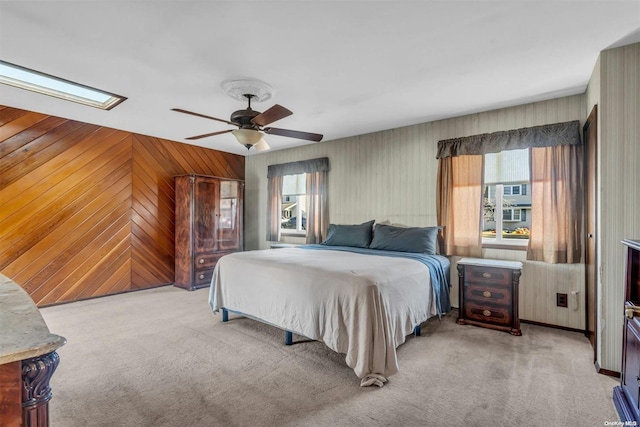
(359,302)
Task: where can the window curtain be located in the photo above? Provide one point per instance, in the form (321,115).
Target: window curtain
(459,204)
(557,204)
(567,133)
(556,186)
(274,207)
(317,207)
(317,215)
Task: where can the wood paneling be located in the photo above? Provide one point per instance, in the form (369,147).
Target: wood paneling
(88,211)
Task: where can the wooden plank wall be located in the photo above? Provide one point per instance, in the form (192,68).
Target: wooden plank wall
(88,211)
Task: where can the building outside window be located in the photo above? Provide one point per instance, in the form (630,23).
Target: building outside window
(294,210)
(507,199)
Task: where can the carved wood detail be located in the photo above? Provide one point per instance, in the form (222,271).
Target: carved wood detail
(36,392)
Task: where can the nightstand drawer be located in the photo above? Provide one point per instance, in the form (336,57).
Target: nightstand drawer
(491,275)
(484,313)
(486,294)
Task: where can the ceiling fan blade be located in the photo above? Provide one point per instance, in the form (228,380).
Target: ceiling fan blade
(262,145)
(180,110)
(274,113)
(294,134)
(191,138)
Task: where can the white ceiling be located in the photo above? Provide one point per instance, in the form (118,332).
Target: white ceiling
(343,67)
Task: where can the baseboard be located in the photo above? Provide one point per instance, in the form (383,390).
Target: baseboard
(548,325)
(606,372)
(599,370)
(106,295)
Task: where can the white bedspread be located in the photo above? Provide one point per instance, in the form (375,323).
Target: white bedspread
(360,305)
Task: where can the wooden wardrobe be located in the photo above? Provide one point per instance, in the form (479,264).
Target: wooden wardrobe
(208,225)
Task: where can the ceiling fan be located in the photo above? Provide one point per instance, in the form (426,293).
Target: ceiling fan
(251,124)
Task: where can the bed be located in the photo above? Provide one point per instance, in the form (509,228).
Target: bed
(360,302)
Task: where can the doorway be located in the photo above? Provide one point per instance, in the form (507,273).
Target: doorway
(590,136)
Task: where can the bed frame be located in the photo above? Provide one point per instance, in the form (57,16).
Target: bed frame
(288,335)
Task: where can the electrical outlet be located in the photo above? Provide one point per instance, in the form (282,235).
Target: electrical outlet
(561,300)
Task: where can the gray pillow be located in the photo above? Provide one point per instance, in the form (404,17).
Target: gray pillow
(358,236)
(405,239)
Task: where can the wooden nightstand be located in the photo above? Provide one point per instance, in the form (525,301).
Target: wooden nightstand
(489,294)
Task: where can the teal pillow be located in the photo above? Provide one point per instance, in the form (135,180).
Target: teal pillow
(358,236)
(405,239)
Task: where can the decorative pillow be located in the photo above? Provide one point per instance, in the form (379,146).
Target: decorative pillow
(405,239)
(358,236)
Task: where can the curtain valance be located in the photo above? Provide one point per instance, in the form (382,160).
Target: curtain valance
(294,168)
(567,133)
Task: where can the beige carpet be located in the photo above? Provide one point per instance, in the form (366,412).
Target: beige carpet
(160,358)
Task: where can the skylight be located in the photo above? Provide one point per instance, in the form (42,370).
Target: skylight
(24,78)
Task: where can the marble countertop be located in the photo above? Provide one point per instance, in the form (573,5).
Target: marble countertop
(23,332)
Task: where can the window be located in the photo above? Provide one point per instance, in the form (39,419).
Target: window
(513,215)
(294,210)
(506,202)
(302,188)
(24,78)
(545,161)
(515,190)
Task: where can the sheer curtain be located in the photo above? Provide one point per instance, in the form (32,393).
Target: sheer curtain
(459,204)
(556,156)
(557,204)
(274,207)
(316,194)
(317,207)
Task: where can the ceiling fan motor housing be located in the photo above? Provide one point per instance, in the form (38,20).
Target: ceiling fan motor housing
(243,118)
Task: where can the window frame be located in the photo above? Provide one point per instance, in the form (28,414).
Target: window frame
(47,84)
(499,240)
(298,231)
(512,217)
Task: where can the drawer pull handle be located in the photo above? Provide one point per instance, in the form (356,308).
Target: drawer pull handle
(486,275)
(630,312)
(486,294)
(486,313)
(201,260)
(201,276)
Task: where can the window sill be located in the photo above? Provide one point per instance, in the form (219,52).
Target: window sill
(282,233)
(504,247)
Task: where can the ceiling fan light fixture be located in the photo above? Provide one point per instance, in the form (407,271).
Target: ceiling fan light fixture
(247,137)
(262,145)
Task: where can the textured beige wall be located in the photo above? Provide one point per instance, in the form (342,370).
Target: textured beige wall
(391,175)
(619,126)
(593,99)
